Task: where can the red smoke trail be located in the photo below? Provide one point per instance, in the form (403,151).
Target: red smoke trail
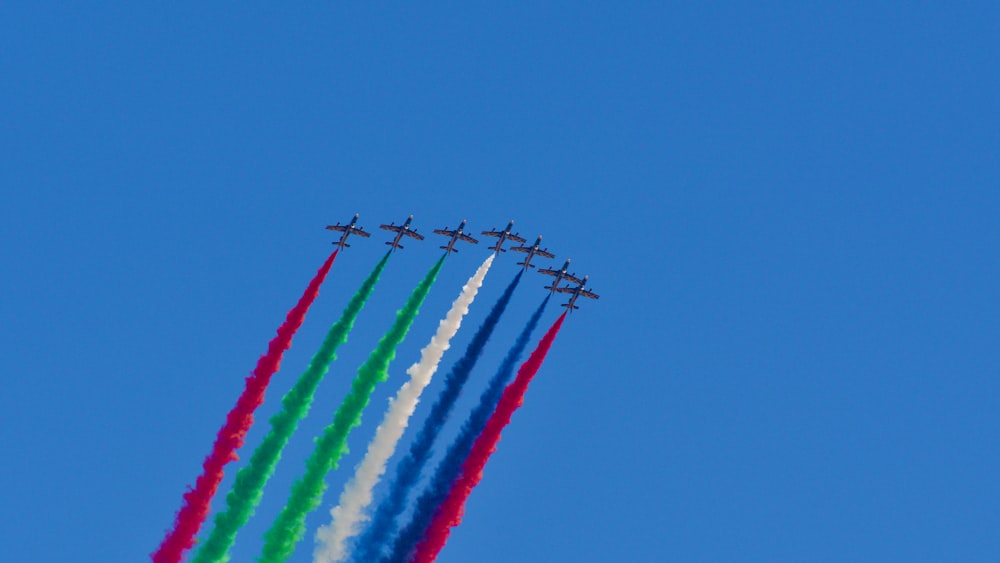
(230,437)
(449,514)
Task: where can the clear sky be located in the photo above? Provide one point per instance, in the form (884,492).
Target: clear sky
(790,212)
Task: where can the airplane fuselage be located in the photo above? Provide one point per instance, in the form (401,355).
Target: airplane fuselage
(576,292)
(559,275)
(401,231)
(450,247)
(570,305)
(502,238)
(399,234)
(455,236)
(559,278)
(348,230)
(531,251)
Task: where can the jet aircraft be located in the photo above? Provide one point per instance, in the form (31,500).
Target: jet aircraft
(503,236)
(455,235)
(348,230)
(401,230)
(560,275)
(577,292)
(532,251)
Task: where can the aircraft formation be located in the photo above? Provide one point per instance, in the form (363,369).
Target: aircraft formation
(575,287)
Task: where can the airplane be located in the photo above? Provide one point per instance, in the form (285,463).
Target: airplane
(560,275)
(401,230)
(503,236)
(532,251)
(455,235)
(577,292)
(348,230)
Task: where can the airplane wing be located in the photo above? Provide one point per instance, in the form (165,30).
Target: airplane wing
(572,278)
(444,232)
(549,272)
(493,233)
(590,294)
(516,238)
(467,238)
(340,228)
(413,234)
(566,289)
(545,253)
(394,228)
(359,232)
(519,248)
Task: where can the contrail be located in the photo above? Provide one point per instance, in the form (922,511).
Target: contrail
(307,492)
(409,468)
(357,495)
(451,466)
(230,437)
(250,480)
(449,514)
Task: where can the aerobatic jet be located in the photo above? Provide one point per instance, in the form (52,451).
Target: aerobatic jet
(456,235)
(560,275)
(577,292)
(348,230)
(532,251)
(401,230)
(503,236)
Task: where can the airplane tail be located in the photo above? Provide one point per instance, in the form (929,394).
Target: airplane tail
(394,245)
(528,265)
(445,248)
(570,307)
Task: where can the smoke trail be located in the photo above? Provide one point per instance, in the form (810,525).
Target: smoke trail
(449,514)
(408,471)
(357,495)
(230,437)
(451,466)
(307,492)
(250,480)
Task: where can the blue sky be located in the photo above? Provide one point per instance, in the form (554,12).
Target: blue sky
(789,210)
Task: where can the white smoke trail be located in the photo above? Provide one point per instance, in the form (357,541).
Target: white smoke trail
(357,495)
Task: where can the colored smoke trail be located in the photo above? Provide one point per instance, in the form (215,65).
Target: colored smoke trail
(357,494)
(410,467)
(250,480)
(289,527)
(230,437)
(449,514)
(451,465)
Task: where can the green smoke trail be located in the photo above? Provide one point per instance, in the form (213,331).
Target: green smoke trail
(250,480)
(307,492)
